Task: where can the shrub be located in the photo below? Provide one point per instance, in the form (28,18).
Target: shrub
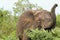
(40,35)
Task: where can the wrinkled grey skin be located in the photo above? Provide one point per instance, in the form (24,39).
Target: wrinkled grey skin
(32,19)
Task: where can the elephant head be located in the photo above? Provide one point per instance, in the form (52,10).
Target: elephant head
(46,19)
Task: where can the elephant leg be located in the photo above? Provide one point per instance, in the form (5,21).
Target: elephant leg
(20,38)
(25,37)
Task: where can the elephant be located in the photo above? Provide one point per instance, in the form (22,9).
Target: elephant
(32,19)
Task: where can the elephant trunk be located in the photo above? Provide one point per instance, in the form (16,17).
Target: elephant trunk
(53,14)
(53,10)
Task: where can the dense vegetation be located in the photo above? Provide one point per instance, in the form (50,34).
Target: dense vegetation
(8,29)
(8,24)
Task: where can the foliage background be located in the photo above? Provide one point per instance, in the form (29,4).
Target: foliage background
(8,23)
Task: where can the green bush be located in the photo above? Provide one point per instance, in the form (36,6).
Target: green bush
(12,36)
(40,35)
(8,29)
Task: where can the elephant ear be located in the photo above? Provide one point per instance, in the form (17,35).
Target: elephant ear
(53,13)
